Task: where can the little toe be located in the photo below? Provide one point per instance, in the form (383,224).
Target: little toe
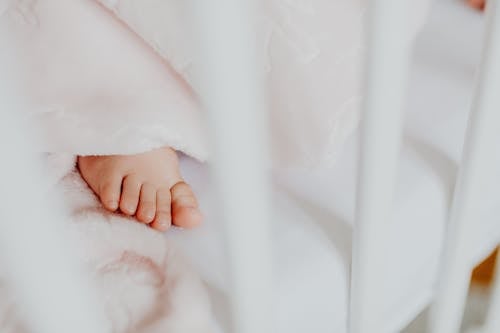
(185,211)
(163,217)
(147,203)
(109,192)
(131,190)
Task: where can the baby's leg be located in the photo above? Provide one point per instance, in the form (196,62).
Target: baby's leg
(148,186)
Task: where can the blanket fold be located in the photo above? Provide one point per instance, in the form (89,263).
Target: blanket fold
(94,87)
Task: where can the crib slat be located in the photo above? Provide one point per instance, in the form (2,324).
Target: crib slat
(386,79)
(232,93)
(481,146)
(37,262)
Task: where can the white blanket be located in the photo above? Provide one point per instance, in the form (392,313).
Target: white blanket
(92,86)
(96,84)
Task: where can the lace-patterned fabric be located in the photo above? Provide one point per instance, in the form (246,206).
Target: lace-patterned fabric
(99,89)
(20,10)
(311,52)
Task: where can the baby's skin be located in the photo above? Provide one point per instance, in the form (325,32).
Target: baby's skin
(147,186)
(479,4)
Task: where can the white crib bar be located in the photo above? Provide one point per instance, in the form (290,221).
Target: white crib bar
(479,148)
(232,93)
(386,80)
(37,261)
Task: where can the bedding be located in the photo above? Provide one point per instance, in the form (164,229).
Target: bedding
(143,283)
(138,61)
(91,86)
(314,210)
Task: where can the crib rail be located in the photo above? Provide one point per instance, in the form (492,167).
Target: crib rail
(480,146)
(387,63)
(233,96)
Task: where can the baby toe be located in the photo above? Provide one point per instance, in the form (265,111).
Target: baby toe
(147,203)
(185,211)
(109,192)
(131,190)
(163,217)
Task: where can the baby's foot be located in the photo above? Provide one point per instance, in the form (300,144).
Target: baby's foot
(148,186)
(479,4)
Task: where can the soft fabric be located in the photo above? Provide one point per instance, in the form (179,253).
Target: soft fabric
(312,272)
(80,63)
(94,87)
(101,82)
(311,51)
(144,284)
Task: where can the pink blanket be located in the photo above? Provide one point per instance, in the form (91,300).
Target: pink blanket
(144,284)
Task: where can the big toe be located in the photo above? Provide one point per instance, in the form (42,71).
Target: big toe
(185,210)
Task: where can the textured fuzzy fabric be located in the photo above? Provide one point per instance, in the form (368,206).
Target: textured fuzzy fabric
(144,284)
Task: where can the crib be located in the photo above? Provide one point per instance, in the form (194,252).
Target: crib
(386,75)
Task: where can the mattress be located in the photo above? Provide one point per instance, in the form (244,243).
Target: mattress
(314,210)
